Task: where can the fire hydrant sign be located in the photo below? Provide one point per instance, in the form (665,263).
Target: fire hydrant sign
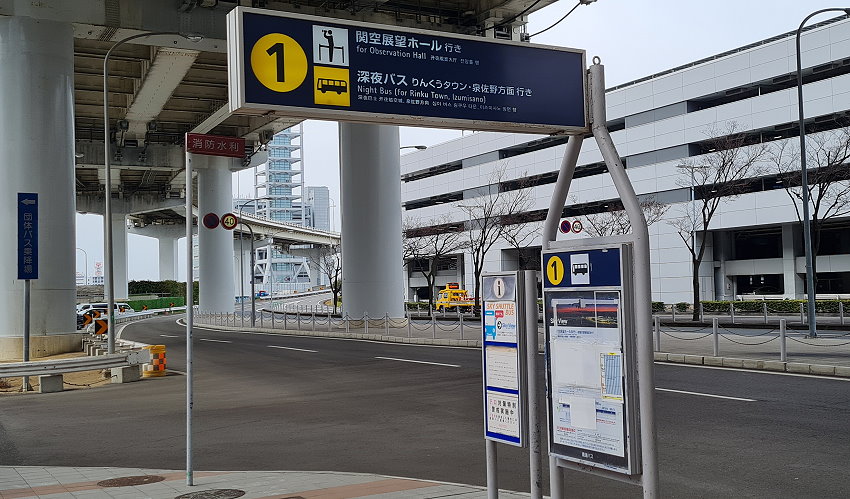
(504,383)
(328,68)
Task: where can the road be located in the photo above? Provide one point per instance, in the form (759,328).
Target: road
(270,402)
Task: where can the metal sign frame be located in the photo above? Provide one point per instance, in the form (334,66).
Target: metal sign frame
(580,283)
(491,346)
(237,85)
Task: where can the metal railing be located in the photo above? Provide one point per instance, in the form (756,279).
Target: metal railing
(47,367)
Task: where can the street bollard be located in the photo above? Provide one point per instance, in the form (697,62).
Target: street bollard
(387,324)
(802,317)
(329,320)
(433,326)
(732,311)
(298,319)
(262,319)
(701,312)
(783,352)
(715,337)
(461,326)
(409,332)
(764,308)
(366,323)
(273,320)
(347,324)
(673,311)
(657,329)
(285,315)
(841,313)
(313,318)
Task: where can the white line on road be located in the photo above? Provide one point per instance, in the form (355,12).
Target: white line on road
(706,395)
(417,362)
(292,348)
(216,341)
(170,336)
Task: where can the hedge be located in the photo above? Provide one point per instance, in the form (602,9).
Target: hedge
(775,306)
(163,288)
(138,305)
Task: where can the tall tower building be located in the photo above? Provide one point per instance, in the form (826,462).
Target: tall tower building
(280,182)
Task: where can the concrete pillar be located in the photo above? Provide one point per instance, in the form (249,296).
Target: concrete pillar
(167,258)
(370,175)
(37,155)
(119,256)
(793,283)
(215,250)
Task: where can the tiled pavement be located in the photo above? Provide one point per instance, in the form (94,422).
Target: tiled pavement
(68,483)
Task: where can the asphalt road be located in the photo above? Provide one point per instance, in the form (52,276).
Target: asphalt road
(270,402)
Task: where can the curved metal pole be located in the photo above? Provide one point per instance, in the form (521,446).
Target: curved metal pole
(807,227)
(107,224)
(253,298)
(242,265)
(562,188)
(87,266)
(642,283)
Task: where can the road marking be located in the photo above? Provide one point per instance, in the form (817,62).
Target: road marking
(170,336)
(215,341)
(706,395)
(292,348)
(755,371)
(418,362)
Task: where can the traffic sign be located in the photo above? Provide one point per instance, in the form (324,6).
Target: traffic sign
(87,318)
(211,220)
(565,226)
(27,235)
(317,67)
(577,226)
(100,326)
(229,221)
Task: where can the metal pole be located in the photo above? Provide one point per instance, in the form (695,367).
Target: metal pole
(556,479)
(492,471)
(535,459)
(657,328)
(732,311)
(642,280)
(298,318)
(715,337)
(807,228)
(253,294)
(387,324)
(365,323)
(329,320)
(802,317)
(190,300)
(783,351)
(433,326)
(409,333)
(764,308)
(841,313)
(313,320)
(701,311)
(461,326)
(673,311)
(25,385)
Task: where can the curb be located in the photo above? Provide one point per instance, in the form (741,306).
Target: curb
(755,364)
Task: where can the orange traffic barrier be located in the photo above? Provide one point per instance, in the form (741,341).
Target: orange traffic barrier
(156,367)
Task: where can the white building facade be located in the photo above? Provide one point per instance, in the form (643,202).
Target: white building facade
(658,123)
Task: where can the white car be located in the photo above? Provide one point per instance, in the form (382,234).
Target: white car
(119,307)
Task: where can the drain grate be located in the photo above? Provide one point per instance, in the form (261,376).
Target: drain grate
(129,481)
(213,494)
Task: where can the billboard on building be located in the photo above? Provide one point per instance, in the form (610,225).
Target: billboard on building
(315,67)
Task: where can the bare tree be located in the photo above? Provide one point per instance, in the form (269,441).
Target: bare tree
(615,221)
(827,172)
(718,175)
(518,236)
(487,214)
(330,265)
(430,241)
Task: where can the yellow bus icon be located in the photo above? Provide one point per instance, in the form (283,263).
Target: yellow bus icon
(331,86)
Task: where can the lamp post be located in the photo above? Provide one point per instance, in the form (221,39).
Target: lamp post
(87,266)
(807,228)
(242,265)
(107,225)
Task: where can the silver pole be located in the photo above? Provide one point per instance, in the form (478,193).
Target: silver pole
(492,471)
(701,311)
(807,228)
(657,327)
(764,308)
(732,311)
(461,325)
(643,290)
(387,323)
(535,459)
(841,313)
(556,479)
(783,351)
(715,337)
(190,300)
(673,311)
(433,326)
(25,385)
(562,188)
(802,317)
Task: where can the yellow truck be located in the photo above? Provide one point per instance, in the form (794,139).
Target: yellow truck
(452,297)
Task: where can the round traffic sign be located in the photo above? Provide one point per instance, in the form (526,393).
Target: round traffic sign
(577,226)
(229,221)
(565,226)
(279,62)
(211,220)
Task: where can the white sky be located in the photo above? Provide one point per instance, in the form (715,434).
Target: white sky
(634,38)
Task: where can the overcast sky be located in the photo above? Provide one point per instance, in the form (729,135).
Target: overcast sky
(634,38)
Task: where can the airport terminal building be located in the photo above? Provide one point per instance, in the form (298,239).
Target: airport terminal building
(754,244)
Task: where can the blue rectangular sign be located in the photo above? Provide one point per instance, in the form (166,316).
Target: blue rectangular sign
(314,67)
(584,268)
(27,235)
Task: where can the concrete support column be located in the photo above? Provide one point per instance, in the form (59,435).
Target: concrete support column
(215,246)
(794,285)
(167,258)
(371,220)
(37,155)
(119,256)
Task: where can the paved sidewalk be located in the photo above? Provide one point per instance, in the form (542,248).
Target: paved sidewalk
(68,483)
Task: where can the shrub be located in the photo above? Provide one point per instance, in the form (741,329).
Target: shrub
(682,306)
(658,306)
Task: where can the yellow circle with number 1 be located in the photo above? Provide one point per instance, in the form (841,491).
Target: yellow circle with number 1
(279,62)
(555,270)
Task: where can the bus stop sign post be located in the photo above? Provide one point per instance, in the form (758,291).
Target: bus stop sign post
(27,261)
(636,340)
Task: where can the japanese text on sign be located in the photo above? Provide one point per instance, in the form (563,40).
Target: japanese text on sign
(215,145)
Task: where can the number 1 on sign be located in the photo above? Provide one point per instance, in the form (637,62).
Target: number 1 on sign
(555,270)
(277,50)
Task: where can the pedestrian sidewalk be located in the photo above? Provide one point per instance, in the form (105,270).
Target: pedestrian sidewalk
(128,483)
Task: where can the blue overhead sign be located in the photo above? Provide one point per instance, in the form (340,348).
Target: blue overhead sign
(315,67)
(27,235)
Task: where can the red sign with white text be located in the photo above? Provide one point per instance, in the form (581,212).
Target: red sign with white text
(215,145)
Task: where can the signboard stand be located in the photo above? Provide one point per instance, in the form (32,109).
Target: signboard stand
(509,358)
(27,262)
(623,302)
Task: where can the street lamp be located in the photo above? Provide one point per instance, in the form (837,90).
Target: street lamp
(87,265)
(419,147)
(807,229)
(580,2)
(107,225)
(242,265)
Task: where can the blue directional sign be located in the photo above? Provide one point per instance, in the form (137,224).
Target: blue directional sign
(315,67)
(27,235)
